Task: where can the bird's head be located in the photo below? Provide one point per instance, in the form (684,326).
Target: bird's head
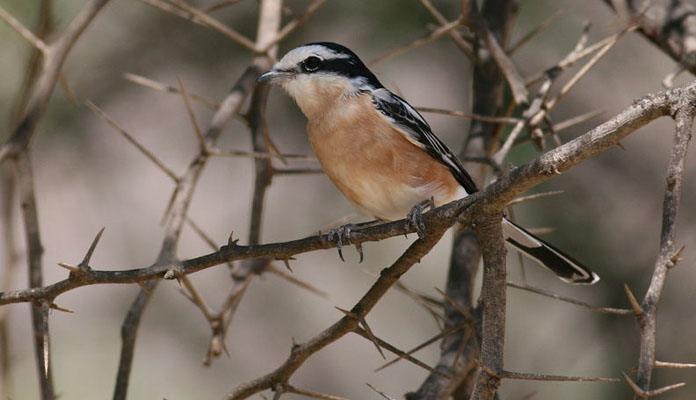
(318,74)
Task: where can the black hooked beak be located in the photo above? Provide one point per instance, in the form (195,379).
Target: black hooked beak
(274,76)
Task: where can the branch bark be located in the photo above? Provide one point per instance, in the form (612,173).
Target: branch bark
(17,147)
(179,205)
(243,273)
(269,22)
(489,233)
(669,24)
(300,353)
(54,57)
(668,255)
(10,260)
(459,352)
(39,309)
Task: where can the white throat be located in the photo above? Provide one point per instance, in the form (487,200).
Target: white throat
(315,94)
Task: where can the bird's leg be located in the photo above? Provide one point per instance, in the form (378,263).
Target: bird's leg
(415,216)
(341,235)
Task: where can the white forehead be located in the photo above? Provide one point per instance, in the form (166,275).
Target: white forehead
(298,54)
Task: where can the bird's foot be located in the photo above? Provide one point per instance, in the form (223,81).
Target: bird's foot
(415,216)
(341,236)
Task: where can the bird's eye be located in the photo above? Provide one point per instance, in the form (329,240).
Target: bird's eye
(311,64)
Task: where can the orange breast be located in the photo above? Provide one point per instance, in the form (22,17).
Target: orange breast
(373,164)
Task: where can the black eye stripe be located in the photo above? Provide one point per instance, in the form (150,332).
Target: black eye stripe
(351,68)
(340,61)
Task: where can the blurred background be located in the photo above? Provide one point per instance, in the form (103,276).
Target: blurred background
(88,176)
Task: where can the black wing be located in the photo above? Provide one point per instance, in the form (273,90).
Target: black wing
(409,122)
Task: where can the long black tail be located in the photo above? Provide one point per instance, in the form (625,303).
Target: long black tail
(564,266)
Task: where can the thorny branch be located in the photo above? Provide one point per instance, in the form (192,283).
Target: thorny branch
(17,148)
(54,56)
(458,353)
(177,211)
(39,309)
(178,208)
(669,24)
(300,353)
(490,237)
(669,253)
(243,273)
(10,261)
(9,183)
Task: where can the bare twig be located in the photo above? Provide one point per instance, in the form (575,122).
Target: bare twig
(310,393)
(535,196)
(428,342)
(10,260)
(456,37)
(462,114)
(644,394)
(202,146)
(293,25)
(513,77)
(52,63)
(243,273)
(668,80)
(195,297)
(570,122)
(298,171)
(44,28)
(17,147)
(132,140)
(220,320)
(220,5)
(9,189)
(382,394)
(182,9)
(555,378)
(364,330)
(39,309)
(674,365)
(668,250)
(546,293)
(153,84)
(669,24)
(572,58)
(533,33)
(254,154)
(633,301)
(432,36)
(23,31)
(500,155)
(296,281)
(585,68)
(178,209)
(433,306)
(390,347)
(301,352)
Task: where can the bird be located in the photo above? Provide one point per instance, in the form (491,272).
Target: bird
(381,153)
